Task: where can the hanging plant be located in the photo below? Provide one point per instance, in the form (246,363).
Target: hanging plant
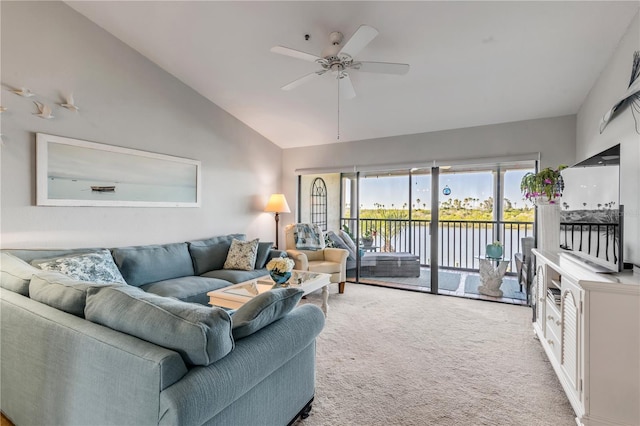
(546,184)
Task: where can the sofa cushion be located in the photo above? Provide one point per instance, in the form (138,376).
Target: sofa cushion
(264,309)
(338,242)
(15,273)
(97,267)
(62,292)
(262,256)
(242,255)
(210,254)
(348,241)
(201,335)
(188,289)
(147,264)
(236,276)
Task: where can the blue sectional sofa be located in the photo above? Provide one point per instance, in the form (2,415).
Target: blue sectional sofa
(186,271)
(142,352)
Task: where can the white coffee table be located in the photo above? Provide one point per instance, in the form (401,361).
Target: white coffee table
(234,296)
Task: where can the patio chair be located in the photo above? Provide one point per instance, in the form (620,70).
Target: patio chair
(326,260)
(524,267)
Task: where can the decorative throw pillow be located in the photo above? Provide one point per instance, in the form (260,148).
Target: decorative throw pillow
(264,309)
(242,255)
(210,254)
(97,267)
(328,242)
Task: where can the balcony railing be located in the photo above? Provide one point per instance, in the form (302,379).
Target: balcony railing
(462,242)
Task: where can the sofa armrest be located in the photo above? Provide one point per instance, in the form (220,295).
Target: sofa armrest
(68,370)
(206,391)
(300,259)
(336,255)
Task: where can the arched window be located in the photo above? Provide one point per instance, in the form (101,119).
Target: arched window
(319,203)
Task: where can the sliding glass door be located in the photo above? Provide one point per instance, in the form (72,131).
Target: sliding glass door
(421,228)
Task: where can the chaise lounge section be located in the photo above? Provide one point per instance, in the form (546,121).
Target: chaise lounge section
(375,264)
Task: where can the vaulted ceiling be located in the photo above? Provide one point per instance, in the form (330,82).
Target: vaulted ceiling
(472,63)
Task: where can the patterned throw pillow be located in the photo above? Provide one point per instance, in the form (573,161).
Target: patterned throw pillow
(97,267)
(328,242)
(242,255)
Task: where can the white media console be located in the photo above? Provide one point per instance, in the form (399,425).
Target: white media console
(589,327)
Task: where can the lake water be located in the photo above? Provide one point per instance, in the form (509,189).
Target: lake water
(79,189)
(461,247)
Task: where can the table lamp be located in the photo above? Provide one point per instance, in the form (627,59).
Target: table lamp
(277,204)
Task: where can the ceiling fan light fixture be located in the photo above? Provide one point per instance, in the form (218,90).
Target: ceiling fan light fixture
(336,38)
(338,59)
(339,56)
(330,51)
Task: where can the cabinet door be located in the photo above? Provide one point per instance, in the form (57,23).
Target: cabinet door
(571,334)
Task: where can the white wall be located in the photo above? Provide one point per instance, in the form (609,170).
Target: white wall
(553,138)
(610,86)
(332,180)
(128,101)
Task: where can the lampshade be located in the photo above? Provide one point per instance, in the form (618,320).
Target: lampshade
(277,204)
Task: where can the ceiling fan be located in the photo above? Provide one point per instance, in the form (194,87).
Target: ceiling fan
(339,59)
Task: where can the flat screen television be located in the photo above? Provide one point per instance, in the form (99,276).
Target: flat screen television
(591,220)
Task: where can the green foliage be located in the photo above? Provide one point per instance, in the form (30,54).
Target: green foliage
(547,182)
(524,214)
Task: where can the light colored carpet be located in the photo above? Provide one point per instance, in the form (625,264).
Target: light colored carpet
(394,357)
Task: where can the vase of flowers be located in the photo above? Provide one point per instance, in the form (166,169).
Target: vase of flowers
(543,187)
(280,269)
(494,250)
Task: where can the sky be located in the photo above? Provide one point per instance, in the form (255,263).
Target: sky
(108,164)
(395,189)
(590,185)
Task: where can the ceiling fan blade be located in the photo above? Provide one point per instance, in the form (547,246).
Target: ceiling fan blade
(382,67)
(359,40)
(346,87)
(303,80)
(295,53)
